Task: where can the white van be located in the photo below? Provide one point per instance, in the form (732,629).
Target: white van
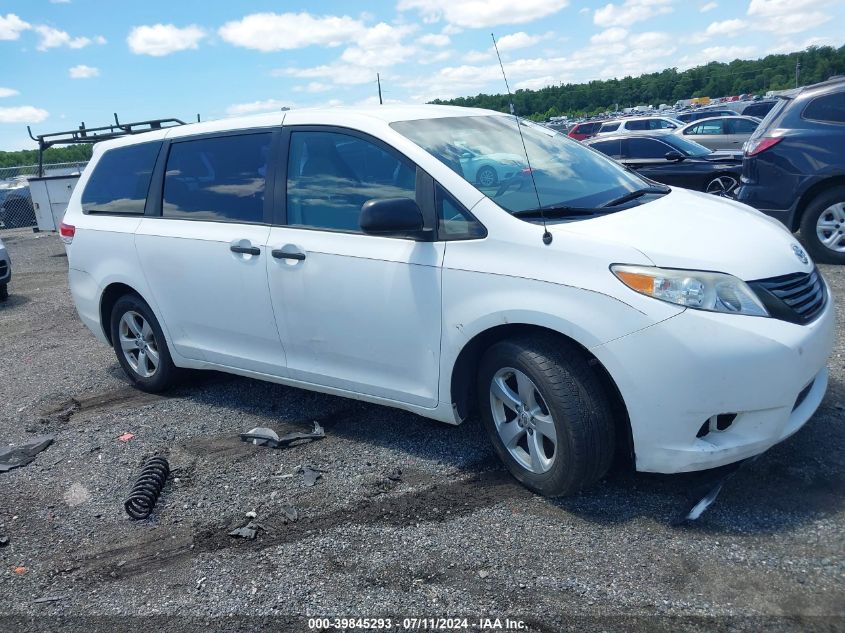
(345,251)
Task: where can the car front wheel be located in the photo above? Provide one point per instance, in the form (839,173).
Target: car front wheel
(823,226)
(723,185)
(140,346)
(546,413)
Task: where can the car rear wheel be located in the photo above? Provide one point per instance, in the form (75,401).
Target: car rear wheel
(546,413)
(823,226)
(487,177)
(722,185)
(140,346)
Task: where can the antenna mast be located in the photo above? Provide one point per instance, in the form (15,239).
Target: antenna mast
(547,237)
(378,81)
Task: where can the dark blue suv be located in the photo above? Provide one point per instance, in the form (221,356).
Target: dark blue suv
(794,167)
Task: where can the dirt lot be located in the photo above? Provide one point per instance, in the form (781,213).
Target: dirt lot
(452,536)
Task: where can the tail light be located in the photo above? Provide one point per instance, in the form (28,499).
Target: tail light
(67,231)
(755,146)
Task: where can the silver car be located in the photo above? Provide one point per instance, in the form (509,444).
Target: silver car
(724,132)
(5,271)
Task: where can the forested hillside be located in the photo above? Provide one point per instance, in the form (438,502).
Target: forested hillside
(774,72)
(70,154)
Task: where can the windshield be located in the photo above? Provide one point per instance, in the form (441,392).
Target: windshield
(688,147)
(487,152)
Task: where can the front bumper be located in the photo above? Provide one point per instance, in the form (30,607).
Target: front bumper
(679,373)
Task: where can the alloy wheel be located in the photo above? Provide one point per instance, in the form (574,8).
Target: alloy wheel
(830,227)
(487,177)
(139,345)
(523,420)
(721,185)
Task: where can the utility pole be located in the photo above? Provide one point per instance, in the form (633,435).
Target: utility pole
(378,80)
(797,71)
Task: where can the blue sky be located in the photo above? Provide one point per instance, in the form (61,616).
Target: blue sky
(67,61)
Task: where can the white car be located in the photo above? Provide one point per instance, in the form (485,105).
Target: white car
(596,313)
(638,124)
(489,169)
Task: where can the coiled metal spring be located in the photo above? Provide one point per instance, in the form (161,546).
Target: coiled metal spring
(147,488)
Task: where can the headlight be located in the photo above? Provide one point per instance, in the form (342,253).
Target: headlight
(716,292)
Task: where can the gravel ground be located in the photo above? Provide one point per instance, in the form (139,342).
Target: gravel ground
(454,536)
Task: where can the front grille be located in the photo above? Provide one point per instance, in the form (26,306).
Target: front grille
(797,298)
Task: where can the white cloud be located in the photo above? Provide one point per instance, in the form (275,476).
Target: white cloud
(54,38)
(630,12)
(584,10)
(725,28)
(716,54)
(610,36)
(100,40)
(287,31)
(451,29)
(790,46)
(59,1)
(477,57)
(11,26)
(83,72)
(313,87)
(783,17)
(709,7)
(482,13)
(380,46)
(434,39)
(162,39)
(433,58)
(267,105)
(8,92)
(515,41)
(536,83)
(336,72)
(23,114)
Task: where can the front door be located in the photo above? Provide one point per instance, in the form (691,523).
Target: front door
(204,257)
(356,312)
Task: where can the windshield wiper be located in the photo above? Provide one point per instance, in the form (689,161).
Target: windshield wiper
(554,212)
(633,195)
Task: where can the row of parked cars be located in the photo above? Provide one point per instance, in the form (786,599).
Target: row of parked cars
(790,164)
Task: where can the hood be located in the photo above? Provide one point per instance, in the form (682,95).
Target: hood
(698,231)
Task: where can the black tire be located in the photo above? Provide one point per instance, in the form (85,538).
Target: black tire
(494,177)
(4,292)
(814,210)
(576,400)
(165,372)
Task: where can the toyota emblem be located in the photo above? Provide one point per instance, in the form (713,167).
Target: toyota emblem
(800,254)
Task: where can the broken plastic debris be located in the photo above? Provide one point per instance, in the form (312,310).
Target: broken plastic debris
(716,487)
(310,475)
(49,599)
(17,456)
(20,570)
(126,437)
(289,513)
(262,436)
(249,531)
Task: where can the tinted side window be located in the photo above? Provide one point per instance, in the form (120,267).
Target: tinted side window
(330,176)
(758,109)
(708,127)
(609,127)
(740,126)
(829,108)
(120,180)
(610,148)
(453,221)
(645,148)
(220,179)
(637,125)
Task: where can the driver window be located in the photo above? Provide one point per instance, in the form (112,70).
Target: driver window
(331,175)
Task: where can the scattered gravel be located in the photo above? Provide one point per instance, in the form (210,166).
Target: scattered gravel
(408,517)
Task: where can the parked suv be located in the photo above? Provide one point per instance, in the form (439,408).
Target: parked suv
(5,272)
(644,124)
(697,115)
(794,167)
(581,131)
(347,252)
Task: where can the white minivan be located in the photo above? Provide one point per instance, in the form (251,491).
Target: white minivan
(582,311)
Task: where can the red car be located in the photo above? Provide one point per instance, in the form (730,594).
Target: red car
(584,130)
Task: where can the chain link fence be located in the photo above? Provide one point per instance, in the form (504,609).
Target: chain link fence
(16,208)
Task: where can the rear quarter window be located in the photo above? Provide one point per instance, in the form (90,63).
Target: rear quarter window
(120,180)
(828,108)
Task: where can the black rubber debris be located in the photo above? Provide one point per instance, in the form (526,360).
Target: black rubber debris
(17,456)
(262,436)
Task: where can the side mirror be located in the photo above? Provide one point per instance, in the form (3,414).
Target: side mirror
(674,155)
(392,217)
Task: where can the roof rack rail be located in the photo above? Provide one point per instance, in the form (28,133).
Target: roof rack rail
(95,134)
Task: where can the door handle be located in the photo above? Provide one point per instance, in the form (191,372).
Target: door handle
(280,254)
(245,250)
